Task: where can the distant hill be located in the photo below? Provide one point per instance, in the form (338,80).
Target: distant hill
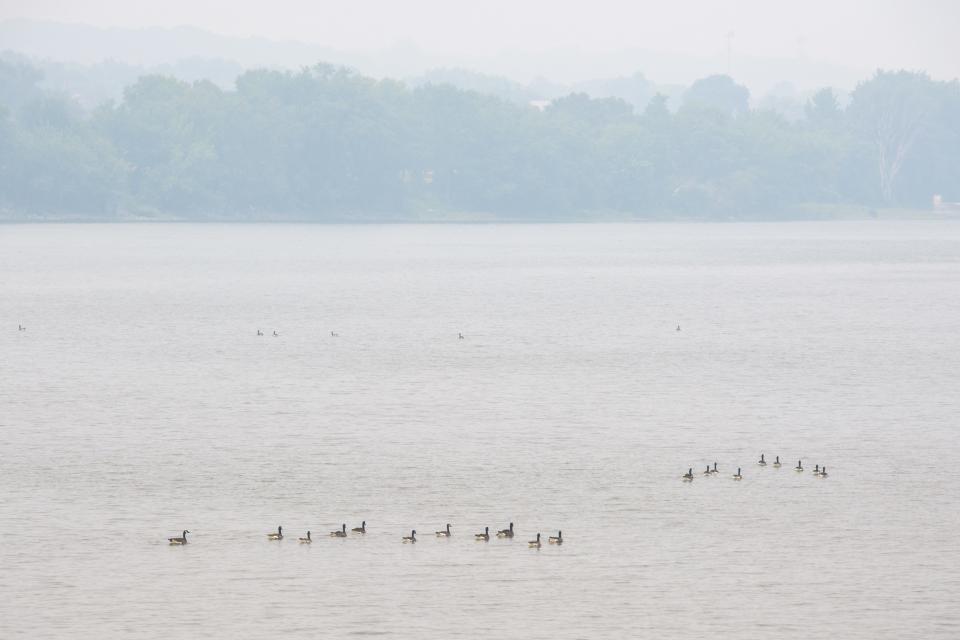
(467,80)
(634,89)
(155,47)
(150,47)
(93,84)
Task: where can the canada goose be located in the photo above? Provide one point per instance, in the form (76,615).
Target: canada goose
(334,334)
(259,333)
(342,533)
(181,540)
(799,466)
(762,462)
(707,472)
(506,533)
(714,470)
(361,529)
(823,472)
(20,327)
(557,539)
(460,336)
(444,534)
(306,540)
(485,536)
(276,536)
(410,538)
(816,469)
(678,327)
(776,463)
(535,543)
(737,475)
(276,335)
(688,476)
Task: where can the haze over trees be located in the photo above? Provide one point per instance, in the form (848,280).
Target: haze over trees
(325,143)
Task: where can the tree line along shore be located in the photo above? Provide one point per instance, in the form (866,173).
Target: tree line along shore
(327,144)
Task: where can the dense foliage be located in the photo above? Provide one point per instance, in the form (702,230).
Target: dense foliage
(328,144)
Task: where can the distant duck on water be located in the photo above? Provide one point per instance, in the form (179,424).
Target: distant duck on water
(276,536)
(557,539)
(361,529)
(20,327)
(535,543)
(342,533)
(182,539)
(485,536)
(460,336)
(737,475)
(410,538)
(276,335)
(446,533)
(306,540)
(506,533)
(259,333)
(688,476)
(334,334)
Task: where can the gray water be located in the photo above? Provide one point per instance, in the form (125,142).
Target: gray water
(140,401)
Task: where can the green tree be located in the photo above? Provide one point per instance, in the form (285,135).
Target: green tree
(892,109)
(823,108)
(718,92)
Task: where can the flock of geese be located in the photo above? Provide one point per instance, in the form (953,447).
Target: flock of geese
(410,539)
(333,334)
(818,471)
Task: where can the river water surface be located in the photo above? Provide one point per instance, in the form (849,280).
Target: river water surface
(140,401)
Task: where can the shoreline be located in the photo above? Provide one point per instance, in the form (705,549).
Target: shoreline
(844,214)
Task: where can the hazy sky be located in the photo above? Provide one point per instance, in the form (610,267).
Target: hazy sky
(920,34)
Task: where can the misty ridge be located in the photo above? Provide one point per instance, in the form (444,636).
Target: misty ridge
(214,139)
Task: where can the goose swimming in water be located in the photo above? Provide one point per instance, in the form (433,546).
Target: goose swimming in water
(714,470)
(276,536)
(557,539)
(460,336)
(306,540)
(816,469)
(342,533)
(707,472)
(799,466)
(737,475)
(334,334)
(361,529)
(485,536)
(688,476)
(445,534)
(535,543)
(180,540)
(410,538)
(259,333)
(20,327)
(823,472)
(776,463)
(276,335)
(762,462)
(506,533)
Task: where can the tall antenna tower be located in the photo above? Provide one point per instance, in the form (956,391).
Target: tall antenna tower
(730,35)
